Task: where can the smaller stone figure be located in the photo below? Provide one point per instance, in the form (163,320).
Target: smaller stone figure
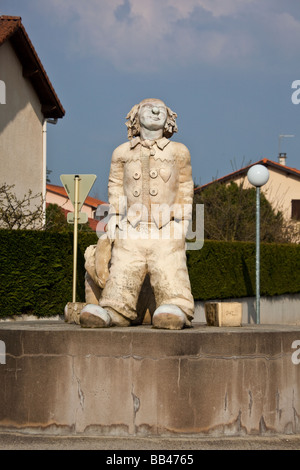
(150,195)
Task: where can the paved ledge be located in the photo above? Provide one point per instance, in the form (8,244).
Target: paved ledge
(190,446)
(60,325)
(61,379)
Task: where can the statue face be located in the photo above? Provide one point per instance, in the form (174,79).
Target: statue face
(153,114)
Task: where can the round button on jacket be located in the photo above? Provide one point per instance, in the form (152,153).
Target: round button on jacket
(136,175)
(153,173)
(153,191)
(136,192)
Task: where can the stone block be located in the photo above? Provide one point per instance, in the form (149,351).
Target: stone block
(72,312)
(223,313)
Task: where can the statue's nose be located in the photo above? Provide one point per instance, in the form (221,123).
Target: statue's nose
(155,110)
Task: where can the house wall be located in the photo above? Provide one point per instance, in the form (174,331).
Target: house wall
(21,129)
(279,190)
(66,204)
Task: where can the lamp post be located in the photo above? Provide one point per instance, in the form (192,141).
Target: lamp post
(258,175)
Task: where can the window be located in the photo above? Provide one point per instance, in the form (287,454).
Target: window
(296,209)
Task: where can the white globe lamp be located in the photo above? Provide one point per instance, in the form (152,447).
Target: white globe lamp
(258,175)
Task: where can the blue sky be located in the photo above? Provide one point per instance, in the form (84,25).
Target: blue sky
(226,67)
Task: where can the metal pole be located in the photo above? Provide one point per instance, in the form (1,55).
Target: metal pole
(75,239)
(258,255)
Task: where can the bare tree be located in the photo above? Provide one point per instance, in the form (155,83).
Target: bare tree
(26,212)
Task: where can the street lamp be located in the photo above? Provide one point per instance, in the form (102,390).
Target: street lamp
(258,175)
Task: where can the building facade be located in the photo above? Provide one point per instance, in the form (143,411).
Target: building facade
(57,195)
(282,189)
(27,102)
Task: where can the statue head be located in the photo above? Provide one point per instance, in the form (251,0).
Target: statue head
(133,119)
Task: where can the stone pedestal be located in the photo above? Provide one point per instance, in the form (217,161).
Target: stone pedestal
(61,379)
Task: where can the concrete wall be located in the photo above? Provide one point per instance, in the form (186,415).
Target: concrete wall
(62,379)
(277,310)
(21,128)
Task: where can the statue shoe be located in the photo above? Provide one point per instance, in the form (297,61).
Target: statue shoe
(94,316)
(117,319)
(170,317)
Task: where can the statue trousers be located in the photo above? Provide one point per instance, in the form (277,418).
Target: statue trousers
(139,254)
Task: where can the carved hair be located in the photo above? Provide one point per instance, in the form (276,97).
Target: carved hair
(133,125)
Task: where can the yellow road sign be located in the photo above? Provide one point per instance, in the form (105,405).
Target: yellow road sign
(85,185)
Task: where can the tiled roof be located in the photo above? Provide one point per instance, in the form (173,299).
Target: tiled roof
(90,201)
(9,25)
(12,29)
(242,171)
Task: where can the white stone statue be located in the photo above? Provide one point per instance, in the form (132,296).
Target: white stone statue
(150,194)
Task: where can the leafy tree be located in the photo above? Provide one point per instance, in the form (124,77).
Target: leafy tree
(56,220)
(230,214)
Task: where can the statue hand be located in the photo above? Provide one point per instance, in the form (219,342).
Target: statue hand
(111,227)
(181,227)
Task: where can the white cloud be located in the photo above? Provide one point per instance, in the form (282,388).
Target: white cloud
(288,29)
(149,34)
(220,8)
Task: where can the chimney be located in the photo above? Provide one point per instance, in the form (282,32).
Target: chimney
(282,158)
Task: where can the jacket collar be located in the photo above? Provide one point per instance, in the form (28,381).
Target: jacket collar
(161,143)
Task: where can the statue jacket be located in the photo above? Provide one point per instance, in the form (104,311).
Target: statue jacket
(151,181)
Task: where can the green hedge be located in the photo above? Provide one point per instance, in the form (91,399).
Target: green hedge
(36,275)
(223,270)
(37,270)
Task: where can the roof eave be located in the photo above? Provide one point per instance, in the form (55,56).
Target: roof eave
(34,71)
(242,171)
